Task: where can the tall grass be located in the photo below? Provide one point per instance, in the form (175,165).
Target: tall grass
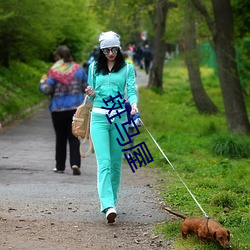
(19,87)
(214,164)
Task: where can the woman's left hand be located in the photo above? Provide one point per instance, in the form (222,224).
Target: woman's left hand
(90,91)
(134,109)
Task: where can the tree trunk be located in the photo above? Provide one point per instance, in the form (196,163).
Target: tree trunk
(235,109)
(159,47)
(201,99)
(223,38)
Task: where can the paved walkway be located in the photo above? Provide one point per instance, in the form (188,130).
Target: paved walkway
(141,78)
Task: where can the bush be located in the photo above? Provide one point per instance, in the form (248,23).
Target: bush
(19,88)
(223,200)
(231,146)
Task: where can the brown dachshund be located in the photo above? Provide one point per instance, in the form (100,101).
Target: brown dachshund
(204,229)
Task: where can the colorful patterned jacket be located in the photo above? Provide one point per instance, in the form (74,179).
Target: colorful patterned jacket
(65,84)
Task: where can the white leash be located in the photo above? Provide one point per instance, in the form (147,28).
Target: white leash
(174,170)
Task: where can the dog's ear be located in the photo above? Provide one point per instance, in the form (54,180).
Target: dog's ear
(228,237)
(214,235)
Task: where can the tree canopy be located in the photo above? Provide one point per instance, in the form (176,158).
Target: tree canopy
(27,32)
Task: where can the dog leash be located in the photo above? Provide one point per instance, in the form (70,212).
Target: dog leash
(175,170)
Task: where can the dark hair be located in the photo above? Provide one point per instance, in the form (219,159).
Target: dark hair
(102,67)
(64,53)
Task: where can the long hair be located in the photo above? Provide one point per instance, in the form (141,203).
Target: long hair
(102,66)
(63,52)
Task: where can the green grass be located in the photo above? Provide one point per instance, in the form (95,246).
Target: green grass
(19,88)
(214,164)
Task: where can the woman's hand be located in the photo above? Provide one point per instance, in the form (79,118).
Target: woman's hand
(90,91)
(43,79)
(134,109)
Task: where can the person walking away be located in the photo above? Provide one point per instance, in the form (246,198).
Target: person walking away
(139,55)
(147,54)
(108,78)
(92,56)
(66,83)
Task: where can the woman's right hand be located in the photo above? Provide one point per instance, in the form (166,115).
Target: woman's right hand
(90,91)
(134,109)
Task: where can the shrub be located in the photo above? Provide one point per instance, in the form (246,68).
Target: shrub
(231,146)
(223,200)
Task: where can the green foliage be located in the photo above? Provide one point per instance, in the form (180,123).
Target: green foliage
(175,25)
(29,33)
(241,17)
(175,28)
(224,200)
(128,18)
(19,87)
(219,183)
(243,59)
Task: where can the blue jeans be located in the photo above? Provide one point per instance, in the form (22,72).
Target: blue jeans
(108,155)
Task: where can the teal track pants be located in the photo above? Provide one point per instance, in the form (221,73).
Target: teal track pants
(108,155)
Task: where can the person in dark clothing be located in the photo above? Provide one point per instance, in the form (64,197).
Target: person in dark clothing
(138,56)
(65,83)
(93,55)
(147,54)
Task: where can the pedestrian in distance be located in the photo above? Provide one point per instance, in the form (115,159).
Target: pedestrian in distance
(92,57)
(108,78)
(65,83)
(147,54)
(93,54)
(138,55)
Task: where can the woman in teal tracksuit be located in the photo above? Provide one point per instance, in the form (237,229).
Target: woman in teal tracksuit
(109,77)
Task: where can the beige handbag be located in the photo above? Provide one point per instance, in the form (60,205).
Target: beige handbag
(81,126)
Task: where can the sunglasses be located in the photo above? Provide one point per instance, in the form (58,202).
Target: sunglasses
(106,51)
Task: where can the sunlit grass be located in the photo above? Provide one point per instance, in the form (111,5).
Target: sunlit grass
(193,142)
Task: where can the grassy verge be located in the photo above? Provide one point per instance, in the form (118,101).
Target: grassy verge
(19,89)
(214,164)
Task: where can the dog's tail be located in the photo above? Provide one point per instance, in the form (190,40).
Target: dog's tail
(175,213)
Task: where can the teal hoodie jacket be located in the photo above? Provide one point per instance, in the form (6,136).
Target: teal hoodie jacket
(109,85)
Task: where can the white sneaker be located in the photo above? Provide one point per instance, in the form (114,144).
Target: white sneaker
(58,171)
(111,214)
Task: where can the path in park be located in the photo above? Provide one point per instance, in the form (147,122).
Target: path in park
(40,209)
